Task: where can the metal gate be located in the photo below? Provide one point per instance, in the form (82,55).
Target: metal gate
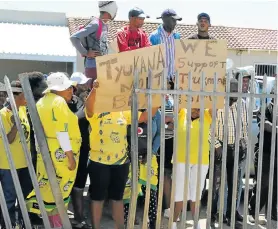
(250,151)
(162,92)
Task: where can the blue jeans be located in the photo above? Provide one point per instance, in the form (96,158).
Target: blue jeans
(9,190)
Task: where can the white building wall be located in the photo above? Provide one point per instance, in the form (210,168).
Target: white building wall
(253,57)
(12,68)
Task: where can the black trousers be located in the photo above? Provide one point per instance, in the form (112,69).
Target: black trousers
(230,182)
(216,187)
(264,186)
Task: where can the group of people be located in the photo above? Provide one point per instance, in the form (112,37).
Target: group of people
(82,142)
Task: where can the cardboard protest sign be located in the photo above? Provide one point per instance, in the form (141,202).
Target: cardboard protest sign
(116,73)
(197,56)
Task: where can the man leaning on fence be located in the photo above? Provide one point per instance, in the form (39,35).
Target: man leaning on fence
(219,138)
(17,153)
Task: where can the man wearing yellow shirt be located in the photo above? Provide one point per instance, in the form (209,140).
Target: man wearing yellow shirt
(109,163)
(17,152)
(193,158)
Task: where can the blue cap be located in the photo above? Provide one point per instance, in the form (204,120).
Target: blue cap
(205,15)
(137,12)
(170,13)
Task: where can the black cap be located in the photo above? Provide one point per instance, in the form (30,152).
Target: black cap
(170,13)
(205,15)
(137,12)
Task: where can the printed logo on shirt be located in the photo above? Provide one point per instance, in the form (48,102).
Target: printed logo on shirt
(26,132)
(59,179)
(120,121)
(114,136)
(67,185)
(134,42)
(108,121)
(140,131)
(43,182)
(60,155)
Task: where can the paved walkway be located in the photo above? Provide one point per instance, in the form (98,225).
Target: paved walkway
(107,222)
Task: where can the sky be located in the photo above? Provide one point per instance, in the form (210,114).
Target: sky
(248,14)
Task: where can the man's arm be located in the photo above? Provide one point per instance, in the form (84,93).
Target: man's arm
(123,42)
(147,43)
(217,143)
(268,119)
(76,37)
(12,134)
(244,119)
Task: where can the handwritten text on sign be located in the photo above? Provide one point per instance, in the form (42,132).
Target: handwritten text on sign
(116,73)
(197,56)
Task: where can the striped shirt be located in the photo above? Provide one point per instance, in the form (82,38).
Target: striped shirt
(169,41)
(169,112)
(232,121)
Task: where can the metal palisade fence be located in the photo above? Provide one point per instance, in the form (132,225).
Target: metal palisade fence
(252,95)
(214,94)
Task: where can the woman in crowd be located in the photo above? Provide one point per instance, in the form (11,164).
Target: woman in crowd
(143,171)
(76,105)
(109,162)
(193,159)
(17,153)
(64,139)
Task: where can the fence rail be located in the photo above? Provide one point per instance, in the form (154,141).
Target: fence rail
(176,93)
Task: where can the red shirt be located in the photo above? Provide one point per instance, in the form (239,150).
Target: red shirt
(132,39)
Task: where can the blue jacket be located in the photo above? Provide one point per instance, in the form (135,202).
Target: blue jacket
(155,36)
(156,131)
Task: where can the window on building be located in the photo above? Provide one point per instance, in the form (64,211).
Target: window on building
(268,69)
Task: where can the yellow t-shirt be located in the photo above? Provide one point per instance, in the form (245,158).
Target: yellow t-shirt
(15,147)
(194,138)
(108,138)
(57,117)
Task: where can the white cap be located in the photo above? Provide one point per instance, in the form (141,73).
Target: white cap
(58,81)
(246,71)
(79,78)
(109,7)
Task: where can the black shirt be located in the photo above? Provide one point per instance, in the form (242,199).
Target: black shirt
(197,36)
(267,135)
(77,106)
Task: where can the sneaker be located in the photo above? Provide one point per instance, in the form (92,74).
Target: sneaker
(251,219)
(239,217)
(174,226)
(167,214)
